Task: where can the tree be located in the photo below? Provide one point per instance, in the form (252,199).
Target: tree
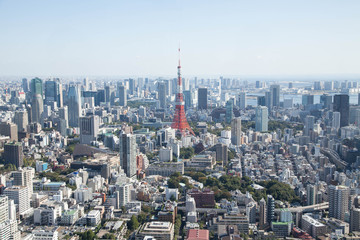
(186,153)
(133,223)
(109,236)
(172,198)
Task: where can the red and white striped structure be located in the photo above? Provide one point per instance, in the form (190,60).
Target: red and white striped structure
(179,122)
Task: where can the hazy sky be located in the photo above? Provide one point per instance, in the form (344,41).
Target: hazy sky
(268,37)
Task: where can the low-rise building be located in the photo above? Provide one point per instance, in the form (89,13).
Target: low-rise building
(158,230)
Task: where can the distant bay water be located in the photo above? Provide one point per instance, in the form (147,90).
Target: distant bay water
(297,98)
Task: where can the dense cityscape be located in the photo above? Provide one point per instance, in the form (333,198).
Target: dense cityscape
(179,158)
(179,120)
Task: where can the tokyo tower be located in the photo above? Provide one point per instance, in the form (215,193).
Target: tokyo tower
(179,122)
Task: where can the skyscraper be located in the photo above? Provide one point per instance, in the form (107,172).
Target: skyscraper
(275,95)
(268,100)
(21,120)
(261,101)
(341,104)
(37,103)
(261,119)
(236,131)
(122,96)
(89,129)
(242,100)
(188,99)
(202,98)
(107,94)
(338,201)
(326,101)
(336,120)
(309,125)
(229,111)
(53,92)
(131,86)
(162,94)
(307,100)
(13,154)
(64,114)
(222,153)
(128,154)
(25,85)
(262,214)
(74,105)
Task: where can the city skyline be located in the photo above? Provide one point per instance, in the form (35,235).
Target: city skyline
(235,38)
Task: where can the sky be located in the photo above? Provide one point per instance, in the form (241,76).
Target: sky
(217,38)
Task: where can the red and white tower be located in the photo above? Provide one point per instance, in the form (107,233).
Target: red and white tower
(179,122)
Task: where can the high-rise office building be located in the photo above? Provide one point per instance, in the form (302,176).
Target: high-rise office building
(222,153)
(188,99)
(37,108)
(25,85)
(307,100)
(318,86)
(268,100)
(329,86)
(128,154)
(9,129)
(107,93)
(21,120)
(53,92)
(13,153)
(326,101)
(36,86)
(236,131)
(86,85)
(261,101)
(122,95)
(341,105)
(74,105)
(229,114)
(275,95)
(258,84)
(24,177)
(131,86)
(202,98)
(64,114)
(336,120)
(261,119)
(242,101)
(37,103)
(338,201)
(162,94)
(309,125)
(89,129)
